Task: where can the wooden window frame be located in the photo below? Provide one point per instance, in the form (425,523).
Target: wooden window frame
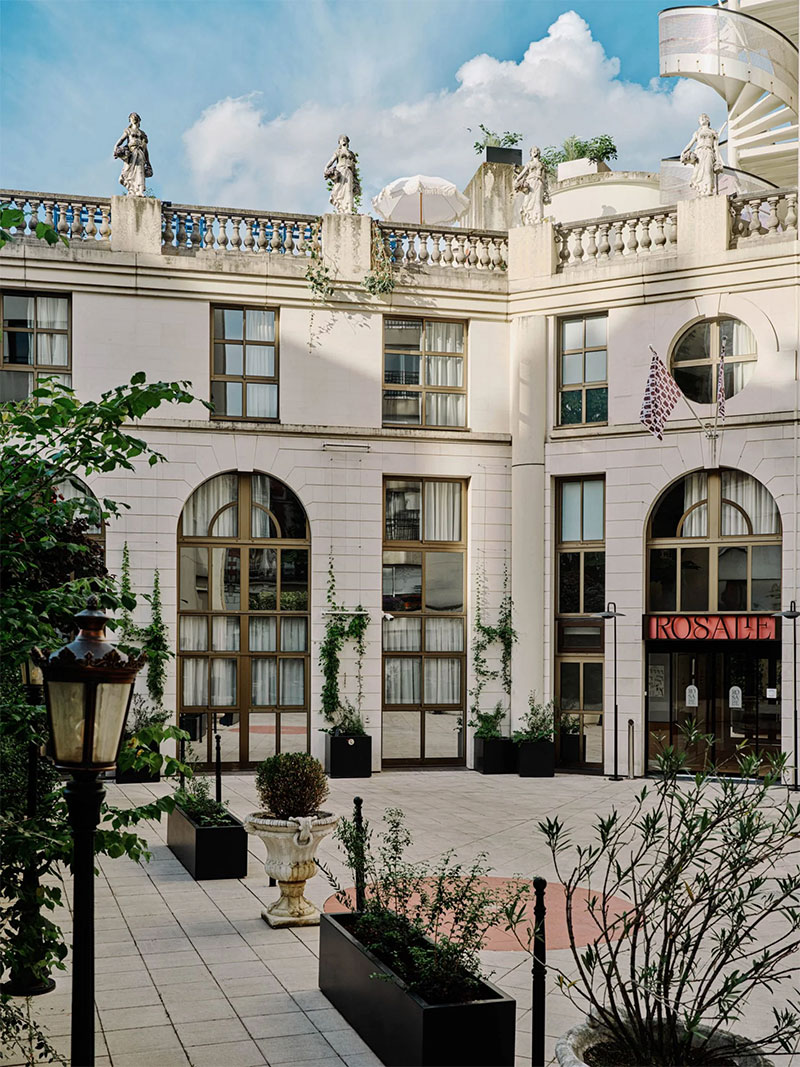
(712,359)
(422,388)
(245,378)
(38,370)
(583,385)
(580,547)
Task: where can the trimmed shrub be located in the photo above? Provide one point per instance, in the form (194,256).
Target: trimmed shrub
(292,784)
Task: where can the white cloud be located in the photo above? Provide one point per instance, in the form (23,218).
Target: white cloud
(564,84)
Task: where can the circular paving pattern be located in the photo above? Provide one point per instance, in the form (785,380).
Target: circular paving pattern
(499,940)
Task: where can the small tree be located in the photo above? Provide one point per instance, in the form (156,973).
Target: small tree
(491,139)
(597,150)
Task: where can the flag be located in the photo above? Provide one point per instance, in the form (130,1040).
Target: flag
(661,394)
(721,382)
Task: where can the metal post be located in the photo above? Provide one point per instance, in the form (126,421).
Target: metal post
(631,724)
(218,760)
(84,795)
(538,971)
(616,776)
(794,681)
(358,820)
(182,757)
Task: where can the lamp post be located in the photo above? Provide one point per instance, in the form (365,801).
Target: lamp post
(88,689)
(612,613)
(794,615)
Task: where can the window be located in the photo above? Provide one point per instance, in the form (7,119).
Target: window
(88,508)
(424,604)
(424,376)
(583,370)
(581,558)
(244,363)
(695,359)
(36,342)
(715,546)
(243,580)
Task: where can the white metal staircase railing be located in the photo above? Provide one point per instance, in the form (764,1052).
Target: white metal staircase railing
(754,68)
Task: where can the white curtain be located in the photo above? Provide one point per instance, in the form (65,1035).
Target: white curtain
(51,313)
(754,498)
(571,511)
(292,682)
(203,504)
(445,370)
(195,682)
(194,634)
(223,683)
(442,511)
(444,635)
(695,489)
(224,633)
(442,681)
(264,682)
(52,349)
(444,336)
(402,680)
(293,635)
(260,325)
(445,409)
(261,360)
(402,635)
(739,339)
(262,635)
(262,400)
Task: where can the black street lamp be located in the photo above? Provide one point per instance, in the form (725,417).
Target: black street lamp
(612,613)
(88,689)
(794,615)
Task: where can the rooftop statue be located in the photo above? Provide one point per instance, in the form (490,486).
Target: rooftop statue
(342,171)
(702,153)
(131,148)
(532,183)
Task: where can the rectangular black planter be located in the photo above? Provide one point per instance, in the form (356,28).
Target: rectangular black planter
(570,748)
(208,851)
(400,1027)
(495,755)
(504,155)
(348,757)
(537,759)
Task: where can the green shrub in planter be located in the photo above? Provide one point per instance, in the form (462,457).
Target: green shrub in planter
(291,785)
(535,740)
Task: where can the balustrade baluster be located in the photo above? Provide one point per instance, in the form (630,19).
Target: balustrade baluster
(790,225)
(29,226)
(645,240)
(754,204)
(48,213)
(300,246)
(180,237)
(261,239)
(495,255)
(562,239)
(411,247)
(222,236)
(577,246)
(236,234)
(603,246)
(591,243)
(208,231)
(288,239)
(436,252)
(671,229)
(772,219)
(275,241)
(248,240)
(462,250)
(105,224)
(76,229)
(61,225)
(632,240)
(504,253)
(89,229)
(660,238)
(472,251)
(448,256)
(422,253)
(195,236)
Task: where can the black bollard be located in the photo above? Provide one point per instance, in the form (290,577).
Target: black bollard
(358,820)
(218,760)
(539,970)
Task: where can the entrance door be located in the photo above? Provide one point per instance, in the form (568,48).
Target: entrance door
(732,694)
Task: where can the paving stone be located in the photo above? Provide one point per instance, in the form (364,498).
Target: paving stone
(347,1042)
(291,1050)
(173,1057)
(212,1031)
(250,987)
(282,1024)
(153,1039)
(326,1019)
(130,1018)
(136,997)
(272,1004)
(171,976)
(229,1054)
(200,1010)
(238,969)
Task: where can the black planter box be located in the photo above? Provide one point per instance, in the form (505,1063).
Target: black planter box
(400,1027)
(208,851)
(504,155)
(570,748)
(131,776)
(537,759)
(495,755)
(348,757)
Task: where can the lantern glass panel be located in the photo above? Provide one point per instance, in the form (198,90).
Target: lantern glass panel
(66,718)
(110,709)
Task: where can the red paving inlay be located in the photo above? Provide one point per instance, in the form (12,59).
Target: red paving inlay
(500,940)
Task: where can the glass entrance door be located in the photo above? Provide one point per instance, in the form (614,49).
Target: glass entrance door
(732,694)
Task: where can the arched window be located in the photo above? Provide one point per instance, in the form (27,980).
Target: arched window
(695,358)
(714,545)
(72,488)
(243,580)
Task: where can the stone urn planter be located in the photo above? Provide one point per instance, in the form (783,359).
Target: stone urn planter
(571,1047)
(291,846)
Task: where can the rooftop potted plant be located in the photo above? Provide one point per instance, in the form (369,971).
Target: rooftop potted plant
(209,841)
(534,739)
(709,867)
(404,970)
(499,147)
(494,753)
(291,786)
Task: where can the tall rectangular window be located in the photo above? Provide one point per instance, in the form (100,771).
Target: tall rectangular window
(244,363)
(424,604)
(583,370)
(424,373)
(36,342)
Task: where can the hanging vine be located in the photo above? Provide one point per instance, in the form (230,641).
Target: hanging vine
(484,636)
(380,279)
(342,625)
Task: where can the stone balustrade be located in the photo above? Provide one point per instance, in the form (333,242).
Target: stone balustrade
(74,217)
(757,217)
(445,246)
(614,237)
(190,228)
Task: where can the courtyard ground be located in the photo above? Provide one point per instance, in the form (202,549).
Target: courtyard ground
(189,974)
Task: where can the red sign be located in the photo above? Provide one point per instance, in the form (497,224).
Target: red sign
(711,628)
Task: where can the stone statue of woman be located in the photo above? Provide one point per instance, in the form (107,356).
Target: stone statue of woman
(702,153)
(131,148)
(343,173)
(532,183)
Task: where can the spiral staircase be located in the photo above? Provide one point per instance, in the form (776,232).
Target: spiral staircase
(747,51)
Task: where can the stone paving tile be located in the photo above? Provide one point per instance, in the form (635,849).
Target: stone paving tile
(159,961)
(202,1009)
(129,1018)
(347,1042)
(173,1057)
(250,987)
(271,1004)
(179,976)
(326,1019)
(139,996)
(299,1047)
(282,1024)
(154,1039)
(239,969)
(229,1054)
(214,1031)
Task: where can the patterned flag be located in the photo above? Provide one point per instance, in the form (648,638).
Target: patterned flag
(661,394)
(721,382)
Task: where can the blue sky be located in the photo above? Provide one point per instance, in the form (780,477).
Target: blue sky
(243,99)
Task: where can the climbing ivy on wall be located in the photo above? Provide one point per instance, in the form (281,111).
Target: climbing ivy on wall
(342,625)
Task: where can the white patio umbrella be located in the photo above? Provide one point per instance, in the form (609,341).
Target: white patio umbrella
(420,198)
